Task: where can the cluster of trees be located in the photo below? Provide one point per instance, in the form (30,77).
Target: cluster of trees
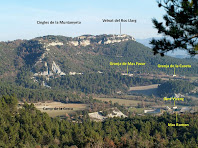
(127,52)
(91,58)
(180,24)
(28,127)
(30,51)
(42,94)
(171,87)
(105,83)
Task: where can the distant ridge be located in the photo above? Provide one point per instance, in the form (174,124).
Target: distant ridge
(52,56)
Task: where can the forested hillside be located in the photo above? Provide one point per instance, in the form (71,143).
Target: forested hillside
(38,55)
(170,88)
(80,64)
(95,83)
(28,127)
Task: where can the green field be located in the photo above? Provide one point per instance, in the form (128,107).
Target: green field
(124,102)
(137,110)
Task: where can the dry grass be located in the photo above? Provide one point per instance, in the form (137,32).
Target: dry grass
(124,102)
(145,90)
(54,113)
(144,87)
(58,104)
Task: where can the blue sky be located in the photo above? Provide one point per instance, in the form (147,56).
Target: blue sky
(19,17)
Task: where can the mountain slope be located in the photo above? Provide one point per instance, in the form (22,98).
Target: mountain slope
(53,56)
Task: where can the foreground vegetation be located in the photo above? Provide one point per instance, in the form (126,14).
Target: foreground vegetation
(28,127)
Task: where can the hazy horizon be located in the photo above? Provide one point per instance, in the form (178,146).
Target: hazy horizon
(19,19)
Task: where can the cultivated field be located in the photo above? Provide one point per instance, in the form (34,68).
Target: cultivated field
(194,97)
(54,109)
(138,110)
(145,90)
(124,102)
(192,79)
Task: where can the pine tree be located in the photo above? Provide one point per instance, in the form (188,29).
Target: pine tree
(181,26)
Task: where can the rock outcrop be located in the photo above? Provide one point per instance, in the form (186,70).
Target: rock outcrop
(56,69)
(86,40)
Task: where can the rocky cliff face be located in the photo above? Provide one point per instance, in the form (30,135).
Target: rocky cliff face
(49,70)
(51,47)
(49,57)
(86,40)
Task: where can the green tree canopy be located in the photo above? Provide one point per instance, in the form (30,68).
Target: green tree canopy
(180,26)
